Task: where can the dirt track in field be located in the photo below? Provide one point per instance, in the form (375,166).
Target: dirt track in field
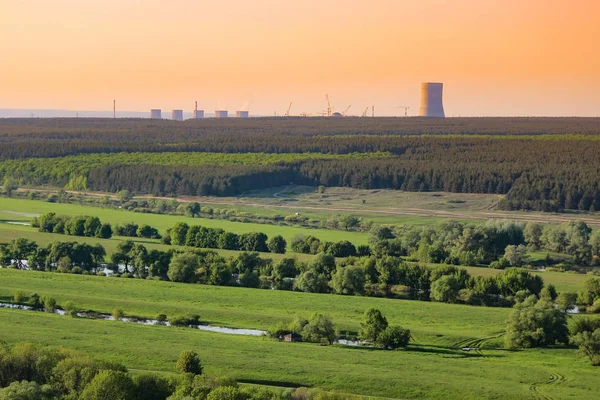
(417,212)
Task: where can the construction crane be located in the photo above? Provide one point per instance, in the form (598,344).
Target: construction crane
(329,108)
(347,108)
(405,110)
(364,114)
(287,113)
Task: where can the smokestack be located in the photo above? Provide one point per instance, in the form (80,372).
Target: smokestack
(431,100)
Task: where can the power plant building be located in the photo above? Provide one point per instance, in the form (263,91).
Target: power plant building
(221,114)
(242,114)
(431,100)
(198,114)
(177,115)
(155,113)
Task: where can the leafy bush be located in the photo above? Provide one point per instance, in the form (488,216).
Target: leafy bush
(393,337)
(536,323)
(118,314)
(189,362)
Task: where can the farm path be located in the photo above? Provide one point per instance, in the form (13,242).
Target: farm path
(417,212)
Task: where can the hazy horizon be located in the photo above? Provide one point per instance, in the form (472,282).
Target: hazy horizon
(516,58)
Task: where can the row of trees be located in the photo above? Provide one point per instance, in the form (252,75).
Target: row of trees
(370,276)
(182,234)
(497,243)
(343,248)
(74,226)
(91,227)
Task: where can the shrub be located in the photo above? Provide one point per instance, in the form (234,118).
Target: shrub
(594,308)
(393,337)
(49,303)
(445,289)
(76,270)
(189,362)
(19,296)
(161,319)
(320,329)
(34,301)
(536,323)
(190,320)
(108,384)
(71,308)
(277,244)
(566,301)
(118,314)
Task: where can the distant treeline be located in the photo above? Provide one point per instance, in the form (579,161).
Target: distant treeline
(553,172)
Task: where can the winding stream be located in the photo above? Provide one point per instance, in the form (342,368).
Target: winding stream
(107,317)
(141,321)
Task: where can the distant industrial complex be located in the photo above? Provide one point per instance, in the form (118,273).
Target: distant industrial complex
(431,106)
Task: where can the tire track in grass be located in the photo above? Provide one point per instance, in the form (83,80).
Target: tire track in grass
(475,344)
(555,378)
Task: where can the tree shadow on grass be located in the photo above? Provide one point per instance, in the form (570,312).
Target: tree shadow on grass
(273,383)
(429,349)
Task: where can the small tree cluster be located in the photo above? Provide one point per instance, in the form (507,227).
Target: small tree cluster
(74,226)
(375,329)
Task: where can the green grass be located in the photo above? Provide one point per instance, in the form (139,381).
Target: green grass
(430,322)
(420,372)
(162,222)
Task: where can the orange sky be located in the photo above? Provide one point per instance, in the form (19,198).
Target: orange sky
(509,57)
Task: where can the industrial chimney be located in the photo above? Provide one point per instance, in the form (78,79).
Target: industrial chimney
(431,100)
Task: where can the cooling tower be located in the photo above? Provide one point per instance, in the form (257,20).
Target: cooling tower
(221,114)
(155,114)
(431,100)
(198,114)
(177,115)
(242,114)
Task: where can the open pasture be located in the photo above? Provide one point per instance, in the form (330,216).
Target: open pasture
(430,322)
(423,371)
(14,210)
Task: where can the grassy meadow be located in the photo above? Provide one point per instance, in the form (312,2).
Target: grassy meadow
(430,322)
(18,210)
(428,369)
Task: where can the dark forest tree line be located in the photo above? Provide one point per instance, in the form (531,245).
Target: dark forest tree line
(550,173)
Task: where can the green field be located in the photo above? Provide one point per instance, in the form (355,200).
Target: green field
(430,322)
(429,369)
(8,208)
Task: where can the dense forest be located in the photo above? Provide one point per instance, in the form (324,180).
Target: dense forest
(548,164)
